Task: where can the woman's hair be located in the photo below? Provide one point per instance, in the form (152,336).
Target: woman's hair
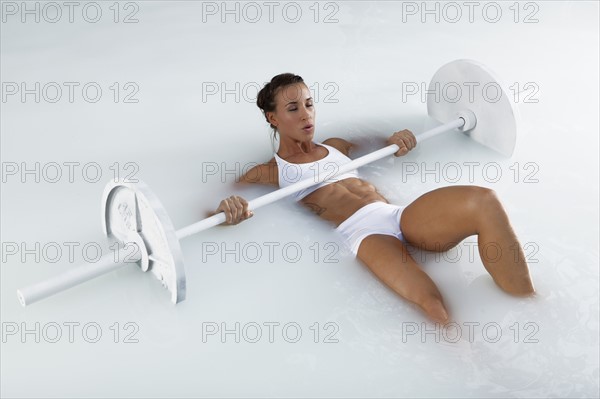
(266,96)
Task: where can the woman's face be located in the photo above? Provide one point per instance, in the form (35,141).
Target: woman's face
(294,114)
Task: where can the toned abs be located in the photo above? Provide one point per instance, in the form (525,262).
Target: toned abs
(338,201)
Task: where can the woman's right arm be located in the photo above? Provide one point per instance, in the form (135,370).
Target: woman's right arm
(235,207)
(266,173)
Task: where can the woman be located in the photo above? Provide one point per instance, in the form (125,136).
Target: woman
(376,231)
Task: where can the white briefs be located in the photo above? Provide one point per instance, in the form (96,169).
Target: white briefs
(374,218)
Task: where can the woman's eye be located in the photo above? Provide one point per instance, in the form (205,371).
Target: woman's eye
(296,109)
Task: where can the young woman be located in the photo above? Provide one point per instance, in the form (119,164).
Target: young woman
(376,231)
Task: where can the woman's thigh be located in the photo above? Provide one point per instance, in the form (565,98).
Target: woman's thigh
(440,219)
(388,258)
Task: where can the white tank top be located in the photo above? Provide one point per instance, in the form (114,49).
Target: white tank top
(290,173)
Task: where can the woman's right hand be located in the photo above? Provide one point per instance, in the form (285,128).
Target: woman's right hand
(235,209)
(405,140)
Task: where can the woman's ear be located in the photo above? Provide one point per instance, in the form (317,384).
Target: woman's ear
(271,118)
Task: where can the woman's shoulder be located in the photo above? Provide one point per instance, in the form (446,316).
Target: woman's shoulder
(265,173)
(339,144)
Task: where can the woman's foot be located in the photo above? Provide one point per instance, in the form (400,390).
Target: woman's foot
(435,310)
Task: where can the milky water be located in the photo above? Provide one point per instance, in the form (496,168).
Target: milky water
(277,306)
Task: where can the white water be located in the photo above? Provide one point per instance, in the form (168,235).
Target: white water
(506,347)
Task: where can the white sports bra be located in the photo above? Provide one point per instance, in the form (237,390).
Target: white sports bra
(290,173)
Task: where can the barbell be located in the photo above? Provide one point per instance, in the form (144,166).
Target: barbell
(462,94)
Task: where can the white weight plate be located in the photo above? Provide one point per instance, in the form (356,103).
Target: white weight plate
(132,208)
(466,84)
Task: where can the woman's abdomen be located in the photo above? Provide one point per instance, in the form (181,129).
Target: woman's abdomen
(337,201)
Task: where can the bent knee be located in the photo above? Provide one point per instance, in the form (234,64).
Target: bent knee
(483,198)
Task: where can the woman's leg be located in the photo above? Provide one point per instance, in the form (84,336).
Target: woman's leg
(387,257)
(440,219)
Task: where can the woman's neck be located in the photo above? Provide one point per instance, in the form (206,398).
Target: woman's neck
(292,147)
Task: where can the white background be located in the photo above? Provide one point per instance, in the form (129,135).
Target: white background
(356,65)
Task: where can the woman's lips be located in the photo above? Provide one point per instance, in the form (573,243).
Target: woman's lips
(308,128)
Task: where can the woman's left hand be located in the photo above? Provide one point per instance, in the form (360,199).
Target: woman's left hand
(405,140)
